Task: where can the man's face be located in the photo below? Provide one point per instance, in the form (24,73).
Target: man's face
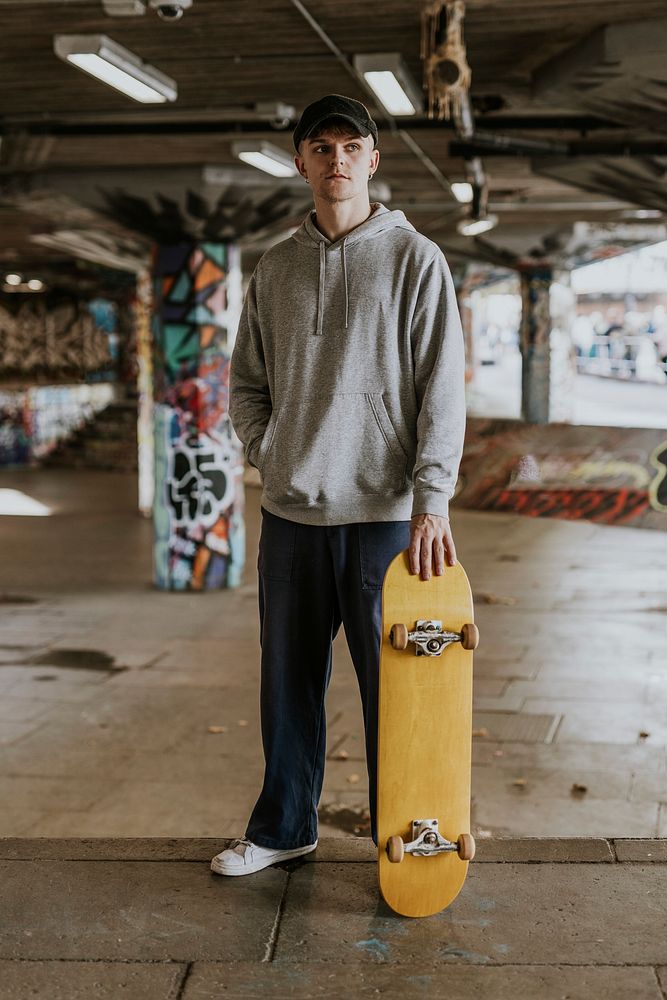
(337,165)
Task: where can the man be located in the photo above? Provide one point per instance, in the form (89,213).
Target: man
(347,391)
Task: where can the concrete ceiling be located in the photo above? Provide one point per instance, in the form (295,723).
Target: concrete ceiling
(570,126)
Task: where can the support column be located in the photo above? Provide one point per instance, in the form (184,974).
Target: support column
(534,340)
(463,295)
(199,501)
(563,306)
(145,404)
(548,364)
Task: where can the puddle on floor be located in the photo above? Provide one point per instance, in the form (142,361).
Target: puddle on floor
(17,599)
(346,818)
(74,659)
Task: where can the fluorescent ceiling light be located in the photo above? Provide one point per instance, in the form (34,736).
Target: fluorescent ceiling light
(35,285)
(265,157)
(387,88)
(462,191)
(391,82)
(101,57)
(473,227)
(13,279)
(641,213)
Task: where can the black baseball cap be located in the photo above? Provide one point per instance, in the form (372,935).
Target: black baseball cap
(334,106)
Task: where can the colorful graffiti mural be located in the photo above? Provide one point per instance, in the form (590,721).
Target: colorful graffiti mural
(63,341)
(141,327)
(198,506)
(613,475)
(34,421)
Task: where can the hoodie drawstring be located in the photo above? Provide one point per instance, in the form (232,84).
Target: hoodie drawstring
(320,295)
(345,279)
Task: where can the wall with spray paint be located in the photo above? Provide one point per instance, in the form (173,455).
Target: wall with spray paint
(198,506)
(612,475)
(34,421)
(68,342)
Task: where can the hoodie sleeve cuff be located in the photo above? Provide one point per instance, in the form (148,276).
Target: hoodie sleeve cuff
(430,502)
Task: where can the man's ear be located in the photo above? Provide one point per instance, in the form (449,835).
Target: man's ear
(300,165)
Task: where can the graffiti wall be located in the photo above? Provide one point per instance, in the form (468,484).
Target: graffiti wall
(34,421)
(65,341)
(141,326)
(613,475)
(75,343)
(198,505)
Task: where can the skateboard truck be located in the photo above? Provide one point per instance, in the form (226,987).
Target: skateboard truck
(430,638)
(427,841)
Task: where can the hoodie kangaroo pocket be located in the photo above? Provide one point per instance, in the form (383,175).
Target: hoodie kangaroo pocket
(335,446)
(267,439)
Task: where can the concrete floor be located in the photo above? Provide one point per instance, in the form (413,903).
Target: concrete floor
(148,920)
(109,688)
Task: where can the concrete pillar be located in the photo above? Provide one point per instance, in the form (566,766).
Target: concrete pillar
(142,309)
(534,340)
(548,363)
(199,501)
(463,293)
(563,308)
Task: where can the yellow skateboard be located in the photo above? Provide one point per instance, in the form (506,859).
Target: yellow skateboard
(424,738)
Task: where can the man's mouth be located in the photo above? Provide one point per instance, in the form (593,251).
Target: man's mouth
(337,177)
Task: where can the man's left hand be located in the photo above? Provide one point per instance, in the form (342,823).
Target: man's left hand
(431,543)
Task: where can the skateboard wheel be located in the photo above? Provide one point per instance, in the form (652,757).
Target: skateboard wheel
(398,636)
(469,636)
(395,849)
(466,847)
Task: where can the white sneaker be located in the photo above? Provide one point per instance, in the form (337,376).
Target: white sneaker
(243,857)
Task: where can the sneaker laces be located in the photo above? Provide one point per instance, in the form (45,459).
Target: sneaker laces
(242,842)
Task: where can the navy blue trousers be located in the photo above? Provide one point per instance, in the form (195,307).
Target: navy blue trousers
(311,579)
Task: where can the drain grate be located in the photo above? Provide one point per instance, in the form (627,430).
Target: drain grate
(516,727)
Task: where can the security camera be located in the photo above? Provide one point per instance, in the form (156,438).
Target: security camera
(170,11)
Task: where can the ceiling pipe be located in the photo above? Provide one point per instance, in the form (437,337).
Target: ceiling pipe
(279,117)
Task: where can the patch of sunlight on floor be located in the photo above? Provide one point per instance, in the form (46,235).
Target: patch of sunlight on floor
(15,502)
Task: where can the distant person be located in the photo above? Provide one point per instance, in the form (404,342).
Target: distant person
(347,390)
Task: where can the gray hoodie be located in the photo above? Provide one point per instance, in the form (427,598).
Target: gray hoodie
(347,375)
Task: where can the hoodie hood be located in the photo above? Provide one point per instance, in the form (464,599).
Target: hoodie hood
(378,222)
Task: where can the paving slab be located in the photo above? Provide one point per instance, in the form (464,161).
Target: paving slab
(270,980)
(528,850)
(90,980)
(134,910)
(536,812)
(641,850)
(545,914)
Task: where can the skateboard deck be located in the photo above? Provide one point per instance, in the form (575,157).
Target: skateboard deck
(424,738)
